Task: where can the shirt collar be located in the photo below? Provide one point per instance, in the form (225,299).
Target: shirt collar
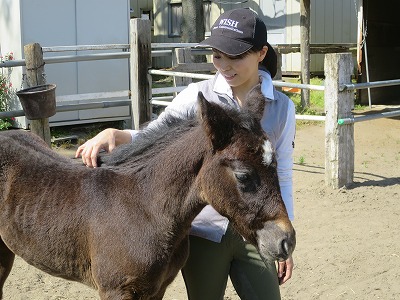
(267,89)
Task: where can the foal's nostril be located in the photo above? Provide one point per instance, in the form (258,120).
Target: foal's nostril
(285,248)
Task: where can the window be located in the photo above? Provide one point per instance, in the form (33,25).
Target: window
(174,19)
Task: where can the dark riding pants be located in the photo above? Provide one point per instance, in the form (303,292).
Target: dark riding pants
(209,264)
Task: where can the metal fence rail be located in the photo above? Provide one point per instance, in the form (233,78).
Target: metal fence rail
(353,119)
(71,107)
(86,47)
(368,85)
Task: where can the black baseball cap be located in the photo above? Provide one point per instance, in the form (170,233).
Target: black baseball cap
(237,31)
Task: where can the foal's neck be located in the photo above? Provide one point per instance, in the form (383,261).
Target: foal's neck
(175,173)
(165,174)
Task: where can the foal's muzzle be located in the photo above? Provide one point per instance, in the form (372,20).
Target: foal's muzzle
(276,241)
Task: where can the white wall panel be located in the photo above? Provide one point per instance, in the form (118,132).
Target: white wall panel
(65,23)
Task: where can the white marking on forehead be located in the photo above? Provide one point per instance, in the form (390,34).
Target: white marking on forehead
(268,151)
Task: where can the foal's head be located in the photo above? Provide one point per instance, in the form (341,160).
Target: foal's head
(240,179)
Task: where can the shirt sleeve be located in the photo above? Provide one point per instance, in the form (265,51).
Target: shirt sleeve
(284,153)
(181,106)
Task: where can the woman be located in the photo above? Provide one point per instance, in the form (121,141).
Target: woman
(243,58)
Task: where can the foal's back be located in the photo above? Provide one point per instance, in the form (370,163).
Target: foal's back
(31,203)
(21,145)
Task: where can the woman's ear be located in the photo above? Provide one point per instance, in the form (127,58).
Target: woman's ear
(263,53)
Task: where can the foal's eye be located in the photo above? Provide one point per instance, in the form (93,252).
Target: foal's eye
(247,181)
(242,176)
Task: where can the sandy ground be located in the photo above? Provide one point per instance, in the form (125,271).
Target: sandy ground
(348,241)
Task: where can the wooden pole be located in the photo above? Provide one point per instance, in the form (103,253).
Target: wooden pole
(360,28)
(34,71)
(339,139)
(140,62)
(278,75)
(305,50)
(182,56)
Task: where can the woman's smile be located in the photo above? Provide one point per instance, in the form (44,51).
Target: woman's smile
(229,77)
(240,72)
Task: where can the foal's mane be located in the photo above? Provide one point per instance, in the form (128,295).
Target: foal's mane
(152,139)
(162,134)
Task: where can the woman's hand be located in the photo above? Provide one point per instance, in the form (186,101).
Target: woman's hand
(106,140)
(285,269)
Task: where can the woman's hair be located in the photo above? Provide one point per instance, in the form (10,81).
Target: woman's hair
(270,61)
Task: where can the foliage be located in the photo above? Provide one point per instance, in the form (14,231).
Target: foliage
(5,92)
(301,160)
(316,99)
(317,103)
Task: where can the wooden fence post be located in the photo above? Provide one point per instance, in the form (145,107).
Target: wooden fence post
(305,14)
(140,62)
(34,72)
(339,139)
(181,56)
(278,75)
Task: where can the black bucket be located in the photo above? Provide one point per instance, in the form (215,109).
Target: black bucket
(38,102)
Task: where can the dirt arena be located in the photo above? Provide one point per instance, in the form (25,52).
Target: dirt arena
(348,240)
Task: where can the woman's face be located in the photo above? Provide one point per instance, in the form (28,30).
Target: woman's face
(239,71)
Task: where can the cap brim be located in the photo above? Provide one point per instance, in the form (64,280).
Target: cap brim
(225,45)
(234,47)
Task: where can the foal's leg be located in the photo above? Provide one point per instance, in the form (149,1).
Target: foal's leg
(6,262)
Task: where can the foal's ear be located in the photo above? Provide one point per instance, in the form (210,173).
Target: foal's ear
(219,126)
(255,102)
